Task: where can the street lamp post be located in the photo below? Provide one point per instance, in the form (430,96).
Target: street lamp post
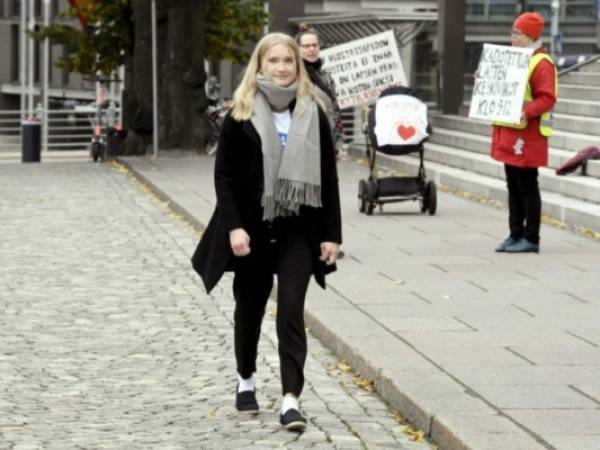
(46,82)
(31,58)
(23,59)
(556,39)
(598,24)
(154,84)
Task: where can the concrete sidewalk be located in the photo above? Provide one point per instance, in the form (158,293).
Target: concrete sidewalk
(480,350)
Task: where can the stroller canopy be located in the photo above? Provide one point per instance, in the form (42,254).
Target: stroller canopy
(397,123)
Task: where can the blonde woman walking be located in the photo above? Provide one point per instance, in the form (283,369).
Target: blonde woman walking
(278,212)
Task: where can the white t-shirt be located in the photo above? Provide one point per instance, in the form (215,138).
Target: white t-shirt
(283,121)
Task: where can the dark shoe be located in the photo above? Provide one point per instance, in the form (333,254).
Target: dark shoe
(506,243)
(245,402)
(292,420)
(340,254)
(523,246)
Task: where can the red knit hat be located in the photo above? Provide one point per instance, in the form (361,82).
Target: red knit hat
(531,24)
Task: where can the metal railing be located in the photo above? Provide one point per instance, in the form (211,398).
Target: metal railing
(68,129)
(10,131)
(586,60)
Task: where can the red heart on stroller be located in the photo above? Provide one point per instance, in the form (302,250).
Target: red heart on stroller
(406,132)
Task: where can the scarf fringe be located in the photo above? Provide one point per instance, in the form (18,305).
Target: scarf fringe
(288,197)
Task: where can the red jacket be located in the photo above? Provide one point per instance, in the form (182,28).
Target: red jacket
(527,147)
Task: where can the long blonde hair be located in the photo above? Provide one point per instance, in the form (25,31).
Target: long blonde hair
(243,97)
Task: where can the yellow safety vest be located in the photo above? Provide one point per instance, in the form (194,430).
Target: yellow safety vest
(546,118)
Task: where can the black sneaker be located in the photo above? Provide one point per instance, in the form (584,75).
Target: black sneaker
(523,246)
(292,420)
(245,402)
(506,243)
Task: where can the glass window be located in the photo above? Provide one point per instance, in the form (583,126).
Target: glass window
(501,9)
(541,6)
(476,10)
(580,9)
(15,52)
(16,7)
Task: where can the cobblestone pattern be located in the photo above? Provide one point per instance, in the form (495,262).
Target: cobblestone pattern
(108,341)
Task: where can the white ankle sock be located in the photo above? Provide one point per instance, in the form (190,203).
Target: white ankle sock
(289,402)
(245,384)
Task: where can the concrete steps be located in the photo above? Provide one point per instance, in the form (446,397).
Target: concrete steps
(593,67)
(589,126)
(475,135)
(568,210)
(577,107)
(578,187)
(479,144)
(582,78)
(578,92)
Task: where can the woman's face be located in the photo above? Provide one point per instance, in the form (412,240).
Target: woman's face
(278,65)
(309,47)
(519,39)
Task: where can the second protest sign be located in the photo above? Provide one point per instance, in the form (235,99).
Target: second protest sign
(500,83)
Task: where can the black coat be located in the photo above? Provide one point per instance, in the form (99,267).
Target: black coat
(239,186)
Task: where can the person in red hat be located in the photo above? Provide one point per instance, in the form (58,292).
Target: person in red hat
(524,147)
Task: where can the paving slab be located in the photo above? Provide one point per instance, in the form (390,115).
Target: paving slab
(452,333)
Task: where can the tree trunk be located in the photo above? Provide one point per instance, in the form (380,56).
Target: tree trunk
(137,98)
(182,101)
(182,95)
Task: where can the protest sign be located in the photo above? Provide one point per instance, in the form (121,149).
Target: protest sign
(400,120)
(363,68)
(500,83)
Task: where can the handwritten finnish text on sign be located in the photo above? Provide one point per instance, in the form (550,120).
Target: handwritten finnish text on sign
(363,68)
(500,83)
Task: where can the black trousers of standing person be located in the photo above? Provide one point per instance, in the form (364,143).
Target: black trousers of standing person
(286,253)
(524,202)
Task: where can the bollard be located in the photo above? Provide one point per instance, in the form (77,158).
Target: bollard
(31,141)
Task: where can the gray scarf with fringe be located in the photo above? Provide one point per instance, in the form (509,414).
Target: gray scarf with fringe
(292,175)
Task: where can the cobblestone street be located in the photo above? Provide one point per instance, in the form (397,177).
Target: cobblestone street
(108,341)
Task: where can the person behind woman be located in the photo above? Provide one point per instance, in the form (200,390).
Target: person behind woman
(310,50)
(524,147)
(278,211)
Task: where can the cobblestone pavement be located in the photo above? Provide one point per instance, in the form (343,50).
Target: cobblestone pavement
(108,341)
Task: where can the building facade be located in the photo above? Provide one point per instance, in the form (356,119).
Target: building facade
(63,85)
(338,21)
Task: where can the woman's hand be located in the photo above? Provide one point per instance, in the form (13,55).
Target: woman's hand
(240,242)
(329,252)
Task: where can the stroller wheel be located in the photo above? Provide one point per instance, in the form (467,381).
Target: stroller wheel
(371,196)
(431,198)
(424,198)
(362,196)
(370,208)
(97,151)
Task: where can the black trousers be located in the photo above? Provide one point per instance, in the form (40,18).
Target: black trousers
(286,253)
(524,202)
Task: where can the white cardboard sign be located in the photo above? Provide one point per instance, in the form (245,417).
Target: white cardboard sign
(500,83)
(363,68)
(400,120)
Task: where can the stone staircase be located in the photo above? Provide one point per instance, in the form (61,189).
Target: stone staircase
(458,153)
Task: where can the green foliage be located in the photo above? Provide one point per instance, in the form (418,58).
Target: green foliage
(101,46)
(230,25)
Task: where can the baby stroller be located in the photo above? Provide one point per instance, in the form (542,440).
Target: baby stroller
(396,125)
